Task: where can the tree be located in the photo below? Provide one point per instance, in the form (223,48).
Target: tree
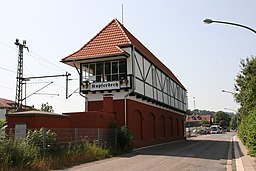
(246,96)
(233,122)
(46,107)
(222,119)
(205,123)
(246,86)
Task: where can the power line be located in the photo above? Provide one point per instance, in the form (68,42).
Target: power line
(44,59)
(7,70)
(7,87)
(34,54)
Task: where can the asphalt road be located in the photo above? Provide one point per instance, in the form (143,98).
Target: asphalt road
(207,152)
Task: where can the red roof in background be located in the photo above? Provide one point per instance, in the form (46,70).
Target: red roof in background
(197,118)
(108,42)
(5,103)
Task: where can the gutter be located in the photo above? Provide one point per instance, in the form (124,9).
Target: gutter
(133,88)
(85,97)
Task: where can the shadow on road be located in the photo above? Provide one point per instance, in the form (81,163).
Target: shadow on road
(204,149)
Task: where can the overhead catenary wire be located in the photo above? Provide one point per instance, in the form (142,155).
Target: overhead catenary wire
(8,70)
(36,57)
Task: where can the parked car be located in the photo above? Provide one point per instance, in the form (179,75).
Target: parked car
(215,129)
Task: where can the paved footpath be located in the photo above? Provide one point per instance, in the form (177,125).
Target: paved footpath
(244,162)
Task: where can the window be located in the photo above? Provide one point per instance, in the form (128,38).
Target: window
(104,71)
(99,72)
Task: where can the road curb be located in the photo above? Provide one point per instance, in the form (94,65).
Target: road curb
(238,157)
(229,161)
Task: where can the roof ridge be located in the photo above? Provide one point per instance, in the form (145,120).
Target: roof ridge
(143,48)
(121,26)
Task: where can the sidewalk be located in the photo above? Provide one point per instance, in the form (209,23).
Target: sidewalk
(244,162)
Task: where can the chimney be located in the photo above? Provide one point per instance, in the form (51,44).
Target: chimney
(108,104)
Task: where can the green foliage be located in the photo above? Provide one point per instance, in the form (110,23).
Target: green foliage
(74,154)
(233,122)
(17,155)
(124,138)
(222,119)
(246,96)
(205,123)
(247,132)
(45,107)
(2,122)
(36,139)
(27,155)
(246,85)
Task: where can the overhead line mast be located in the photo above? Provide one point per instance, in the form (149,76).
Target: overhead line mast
(19,82)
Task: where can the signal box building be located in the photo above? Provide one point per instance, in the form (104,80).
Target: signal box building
(120,75)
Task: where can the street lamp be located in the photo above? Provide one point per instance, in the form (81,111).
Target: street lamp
(225,91)
(237,115)
(209,21)
(194,103)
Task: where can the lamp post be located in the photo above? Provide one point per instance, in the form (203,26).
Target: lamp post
(225,91)
(209,21)
(194,103)
(237,116)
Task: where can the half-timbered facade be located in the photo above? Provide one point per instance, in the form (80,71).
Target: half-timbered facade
(145,95)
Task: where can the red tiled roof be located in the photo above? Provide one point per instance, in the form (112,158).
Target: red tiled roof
(108,42)
(5,103)
(197,118)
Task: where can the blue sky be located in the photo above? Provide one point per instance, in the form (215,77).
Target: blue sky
(205,58)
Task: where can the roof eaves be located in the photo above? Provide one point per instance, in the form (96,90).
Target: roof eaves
(94,57)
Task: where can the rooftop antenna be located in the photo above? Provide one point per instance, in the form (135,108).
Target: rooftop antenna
(123,14)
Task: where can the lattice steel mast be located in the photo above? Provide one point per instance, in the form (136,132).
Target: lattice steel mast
(19,82)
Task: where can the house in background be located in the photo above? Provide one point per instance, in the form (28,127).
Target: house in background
(6,106)
(122,82)
(196,120)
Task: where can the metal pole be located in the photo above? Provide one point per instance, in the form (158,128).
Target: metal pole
(209,21)
(19,82)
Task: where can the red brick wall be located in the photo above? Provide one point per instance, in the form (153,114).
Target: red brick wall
(151,125)
(93,119)
(34,121)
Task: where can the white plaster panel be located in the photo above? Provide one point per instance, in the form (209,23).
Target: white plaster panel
(138,65)
(149,91)
(127,49)
(139,87)
(160,96)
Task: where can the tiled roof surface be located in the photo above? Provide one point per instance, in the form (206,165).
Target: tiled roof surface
(197,118)
(5,103)
(108,42)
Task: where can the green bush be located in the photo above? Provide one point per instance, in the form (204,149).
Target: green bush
(29,154)
(36,139)
(124,138)
(2,123)
(17,155)
(74,154)
(247,132)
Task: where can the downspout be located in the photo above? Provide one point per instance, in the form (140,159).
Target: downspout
(133,88)
(81,94)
